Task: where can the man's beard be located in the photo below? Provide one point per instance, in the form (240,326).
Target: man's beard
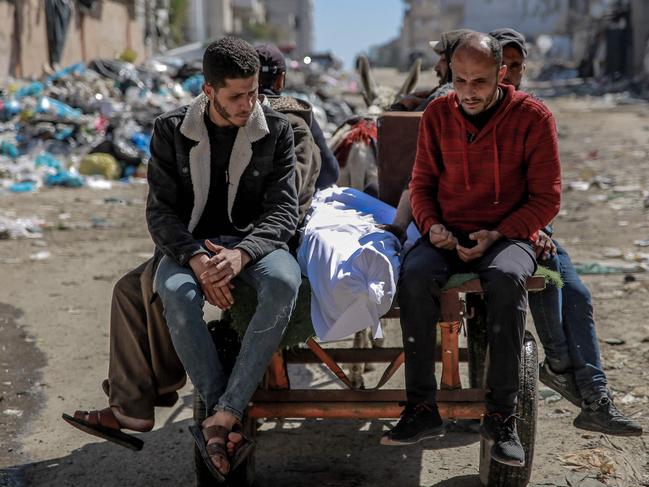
(223,112)
(220,109)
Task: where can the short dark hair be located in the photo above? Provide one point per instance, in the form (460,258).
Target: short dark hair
(229,58)
(476,42)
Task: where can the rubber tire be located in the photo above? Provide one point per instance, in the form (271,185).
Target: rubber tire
(495,474)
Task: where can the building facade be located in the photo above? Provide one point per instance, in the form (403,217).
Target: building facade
(293,20)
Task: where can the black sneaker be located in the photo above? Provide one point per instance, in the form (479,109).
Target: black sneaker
(602,416)
(500,432)
(563,383)
(418,422)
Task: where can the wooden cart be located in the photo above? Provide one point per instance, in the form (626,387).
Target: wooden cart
(463,310)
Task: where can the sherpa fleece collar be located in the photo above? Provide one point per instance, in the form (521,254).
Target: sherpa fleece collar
(193,127)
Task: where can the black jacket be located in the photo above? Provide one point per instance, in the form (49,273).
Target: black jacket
(265,202)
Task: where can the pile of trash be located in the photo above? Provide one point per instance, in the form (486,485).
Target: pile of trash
(91,123)
(84,123)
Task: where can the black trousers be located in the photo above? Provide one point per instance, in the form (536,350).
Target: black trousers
(503,272)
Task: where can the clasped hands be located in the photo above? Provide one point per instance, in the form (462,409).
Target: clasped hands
(442,238)
(215,273)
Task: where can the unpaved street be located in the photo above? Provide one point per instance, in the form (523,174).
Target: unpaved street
(54,312)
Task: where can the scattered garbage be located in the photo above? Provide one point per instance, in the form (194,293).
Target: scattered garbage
(602,268)
(20,228)
(100,164)
(595,458)
(42,255)
(632,399)
(23,187)
(548,395)
(13,412)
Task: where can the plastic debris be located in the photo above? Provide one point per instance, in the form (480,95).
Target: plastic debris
(42,255)
(20,228)
(596,458)
(100,164)
(23,187)
(601,268)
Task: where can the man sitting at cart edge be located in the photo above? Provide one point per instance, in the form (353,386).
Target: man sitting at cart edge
(223,169)
(563,317)
(486,177)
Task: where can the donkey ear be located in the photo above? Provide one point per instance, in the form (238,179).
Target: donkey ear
(367,80)
(411,81)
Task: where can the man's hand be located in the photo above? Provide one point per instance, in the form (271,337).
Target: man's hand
(224,266)
(544,246)
(485,239)
(199,264)
(441,238)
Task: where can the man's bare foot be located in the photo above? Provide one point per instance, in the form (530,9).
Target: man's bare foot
(234,439)
(135,424)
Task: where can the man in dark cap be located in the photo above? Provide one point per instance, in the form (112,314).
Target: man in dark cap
(563,317)
(272,79)
(419,100)
(514,54)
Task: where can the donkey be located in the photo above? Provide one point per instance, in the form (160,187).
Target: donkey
(354,144)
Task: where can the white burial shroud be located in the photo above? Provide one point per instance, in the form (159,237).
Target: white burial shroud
(352,265)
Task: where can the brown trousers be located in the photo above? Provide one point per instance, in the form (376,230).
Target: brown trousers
(144,370)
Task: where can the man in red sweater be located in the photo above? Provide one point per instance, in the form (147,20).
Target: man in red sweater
(486,178)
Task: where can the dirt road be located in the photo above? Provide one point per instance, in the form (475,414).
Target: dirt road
(54,348)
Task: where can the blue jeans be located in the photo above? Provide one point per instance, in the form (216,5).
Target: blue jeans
(564,321)
(276,278)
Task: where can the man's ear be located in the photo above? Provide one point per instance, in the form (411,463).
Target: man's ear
(208,90)
(501,73)
(280,82)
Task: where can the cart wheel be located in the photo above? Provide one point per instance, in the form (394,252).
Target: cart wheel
(244,475)
(495,474)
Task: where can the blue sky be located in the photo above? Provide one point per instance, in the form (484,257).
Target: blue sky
(348,27)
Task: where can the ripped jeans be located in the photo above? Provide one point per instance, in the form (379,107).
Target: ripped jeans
(276,278)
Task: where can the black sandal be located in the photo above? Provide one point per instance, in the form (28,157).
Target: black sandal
(243,448)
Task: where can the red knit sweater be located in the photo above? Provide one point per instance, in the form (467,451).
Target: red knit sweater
(507,179)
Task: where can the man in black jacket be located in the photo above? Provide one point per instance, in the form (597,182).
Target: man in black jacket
(144,369)
(223,169)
